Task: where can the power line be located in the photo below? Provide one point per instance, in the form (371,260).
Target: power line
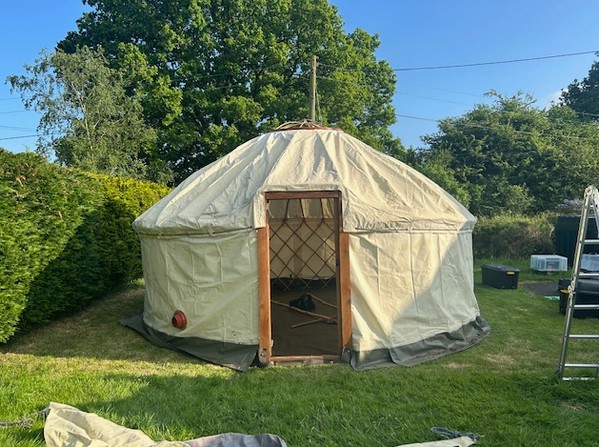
(582,114)
(16,138)
(410,94)
(489,127)
(440,89)
(24,129)
(477,64)
(15,111)
(417,118)
(420,118)
(508,61)
(432,99)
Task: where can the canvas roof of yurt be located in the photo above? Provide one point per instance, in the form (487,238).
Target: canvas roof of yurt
(379,192)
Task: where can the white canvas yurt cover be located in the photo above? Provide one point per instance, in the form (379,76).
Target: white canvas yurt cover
(291,208)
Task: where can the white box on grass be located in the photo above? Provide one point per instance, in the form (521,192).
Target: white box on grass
(549,263)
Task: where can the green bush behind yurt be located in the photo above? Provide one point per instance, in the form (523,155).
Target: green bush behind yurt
(510,236)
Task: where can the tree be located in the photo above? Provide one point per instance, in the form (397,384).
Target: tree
(88,121)
(241,68)
(511,157)
(583,96)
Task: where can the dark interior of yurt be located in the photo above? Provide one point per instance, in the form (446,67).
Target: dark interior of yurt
(303,250)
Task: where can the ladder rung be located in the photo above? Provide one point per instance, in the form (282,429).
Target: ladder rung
(588,275)
(591,241)
(585,336)
(586,307)
(581,365)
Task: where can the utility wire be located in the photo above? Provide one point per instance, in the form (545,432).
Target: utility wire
(478,64)
(24,129)
(488,127)
(15,111)
(508,61)
(440,89)
(16,138)
(432,99)
(444,100)
(417,118)
(420,118)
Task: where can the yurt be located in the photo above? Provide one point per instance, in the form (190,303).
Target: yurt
(307,245)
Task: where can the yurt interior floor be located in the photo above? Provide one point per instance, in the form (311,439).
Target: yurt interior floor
(316,338)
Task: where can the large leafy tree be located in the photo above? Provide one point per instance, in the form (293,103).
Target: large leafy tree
(88,119)
(510,157)
(214,73)
(583,96)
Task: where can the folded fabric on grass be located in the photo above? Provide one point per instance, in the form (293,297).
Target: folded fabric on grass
(68,426)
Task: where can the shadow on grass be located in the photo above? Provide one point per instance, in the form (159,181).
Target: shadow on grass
(96,333)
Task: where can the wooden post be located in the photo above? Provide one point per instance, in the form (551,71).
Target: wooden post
(344,284)
(344,292)
(313,89)
(264,352)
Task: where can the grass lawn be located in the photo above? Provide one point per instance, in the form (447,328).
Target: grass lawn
(503,389)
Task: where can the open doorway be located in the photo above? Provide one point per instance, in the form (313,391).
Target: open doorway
(307,310)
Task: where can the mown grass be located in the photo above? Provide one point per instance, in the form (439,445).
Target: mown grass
(504,388)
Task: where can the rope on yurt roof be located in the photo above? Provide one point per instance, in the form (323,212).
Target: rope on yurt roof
(307,124)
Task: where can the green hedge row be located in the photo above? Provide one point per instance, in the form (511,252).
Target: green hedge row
(65,238)
(512,236)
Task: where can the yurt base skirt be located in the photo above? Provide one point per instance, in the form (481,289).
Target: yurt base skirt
(422,351)
(231,355)
(241,357)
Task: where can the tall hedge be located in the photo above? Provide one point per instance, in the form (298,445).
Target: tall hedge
(507,236)
(65,238)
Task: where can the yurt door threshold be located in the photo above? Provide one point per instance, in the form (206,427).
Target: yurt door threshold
(305,313)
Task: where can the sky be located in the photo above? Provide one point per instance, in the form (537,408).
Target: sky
(413,34)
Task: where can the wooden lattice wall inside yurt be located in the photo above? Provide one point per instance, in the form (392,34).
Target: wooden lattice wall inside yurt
(302,242)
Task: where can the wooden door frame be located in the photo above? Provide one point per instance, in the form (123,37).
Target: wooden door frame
(344,320)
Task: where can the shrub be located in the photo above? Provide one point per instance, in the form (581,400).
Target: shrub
(512,236)
(65,238)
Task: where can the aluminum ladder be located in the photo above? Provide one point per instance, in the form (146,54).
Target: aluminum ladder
(590,209)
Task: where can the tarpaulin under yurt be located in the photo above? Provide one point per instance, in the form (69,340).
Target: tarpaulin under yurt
(304,245)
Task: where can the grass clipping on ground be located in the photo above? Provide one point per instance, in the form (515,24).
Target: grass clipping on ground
(504,388)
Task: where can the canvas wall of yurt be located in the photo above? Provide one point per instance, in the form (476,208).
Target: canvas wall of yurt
(307,245)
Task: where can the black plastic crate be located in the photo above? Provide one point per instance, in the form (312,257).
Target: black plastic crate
(500,276)
(587,293)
